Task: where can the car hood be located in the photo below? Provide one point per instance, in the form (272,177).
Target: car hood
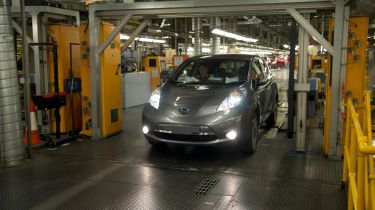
(196,100)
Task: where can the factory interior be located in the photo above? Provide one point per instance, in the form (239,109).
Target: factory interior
(187,104)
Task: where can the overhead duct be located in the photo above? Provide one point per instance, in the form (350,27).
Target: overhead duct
(11,135)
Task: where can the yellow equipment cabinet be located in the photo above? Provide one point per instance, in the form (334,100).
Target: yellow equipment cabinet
(64,35)
(155,65)
(318,64)
(355,78)
(111,98)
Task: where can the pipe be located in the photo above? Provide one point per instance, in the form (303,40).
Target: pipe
(197,39)
(26,73)
(11,131)
(215,39)
(291,102)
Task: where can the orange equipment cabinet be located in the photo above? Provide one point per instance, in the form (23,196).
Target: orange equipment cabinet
(64,35)
(155,65)
(110,87)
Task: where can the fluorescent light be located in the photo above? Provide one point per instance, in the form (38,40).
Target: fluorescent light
(233,35)
(124,36)
(143,39)
(159,41)
(206,50)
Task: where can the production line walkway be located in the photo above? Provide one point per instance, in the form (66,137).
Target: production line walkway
(124,172)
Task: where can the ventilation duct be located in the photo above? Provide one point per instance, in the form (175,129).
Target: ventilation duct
(11,135)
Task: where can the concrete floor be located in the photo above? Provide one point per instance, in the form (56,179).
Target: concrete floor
(124,172)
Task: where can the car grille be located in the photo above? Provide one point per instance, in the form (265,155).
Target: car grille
(180,137)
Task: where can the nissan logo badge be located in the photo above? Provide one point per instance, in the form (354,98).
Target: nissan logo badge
(184,109)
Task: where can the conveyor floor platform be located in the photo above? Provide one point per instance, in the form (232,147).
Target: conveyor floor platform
(124,172)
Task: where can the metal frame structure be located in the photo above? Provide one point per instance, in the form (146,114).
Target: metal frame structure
(38,34)
(39,17)
(193,8)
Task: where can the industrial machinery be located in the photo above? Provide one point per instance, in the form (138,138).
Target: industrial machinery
(111,98)
(355,76)
(52,101)
(69,74)
(154,65)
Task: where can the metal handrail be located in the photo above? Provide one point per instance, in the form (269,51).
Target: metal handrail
(358,166)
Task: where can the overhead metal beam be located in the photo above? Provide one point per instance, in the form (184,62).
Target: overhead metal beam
(135,34)
(204,8)
(48,9)
(113,34)
(312,31)
(119,14)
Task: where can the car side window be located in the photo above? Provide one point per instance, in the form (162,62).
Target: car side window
(188,73)
(256,70)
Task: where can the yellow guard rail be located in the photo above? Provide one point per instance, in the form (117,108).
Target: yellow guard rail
(358,166)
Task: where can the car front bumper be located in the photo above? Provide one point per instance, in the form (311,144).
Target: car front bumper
(206,130)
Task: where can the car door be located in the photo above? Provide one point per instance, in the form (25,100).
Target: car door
(259,86)
(268,104)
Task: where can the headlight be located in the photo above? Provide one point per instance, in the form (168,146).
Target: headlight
(155,99)
(234,99)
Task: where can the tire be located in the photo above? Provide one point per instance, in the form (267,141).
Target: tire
(272,119)
(251,138)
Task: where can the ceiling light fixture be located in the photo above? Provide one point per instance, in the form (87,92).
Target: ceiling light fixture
(143,39)
(233,35)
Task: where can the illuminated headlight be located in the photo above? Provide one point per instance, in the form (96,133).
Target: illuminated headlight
(234,99)
(231,135)
(155,99)
(145,129)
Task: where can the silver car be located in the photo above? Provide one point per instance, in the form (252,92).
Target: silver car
(210,100)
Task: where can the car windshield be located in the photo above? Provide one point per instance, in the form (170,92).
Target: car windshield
(212,72)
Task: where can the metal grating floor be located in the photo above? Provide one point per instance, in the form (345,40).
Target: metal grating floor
(124,172)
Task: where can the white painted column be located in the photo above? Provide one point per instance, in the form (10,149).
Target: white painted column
(301,106)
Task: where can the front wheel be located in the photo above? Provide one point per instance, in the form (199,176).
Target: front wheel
(251,140)
(272,119)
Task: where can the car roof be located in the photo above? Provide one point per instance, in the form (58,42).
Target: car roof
(223,56)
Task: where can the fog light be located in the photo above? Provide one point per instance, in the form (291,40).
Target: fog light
(231,135)
(145,129)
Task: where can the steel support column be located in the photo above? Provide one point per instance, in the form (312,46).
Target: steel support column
(301,107)
(94,26)
(342,80)
(291,106)
(113,34)
(197,38)
(215,46)
(35,30)
(335,77)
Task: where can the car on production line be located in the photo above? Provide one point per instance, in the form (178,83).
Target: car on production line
(210,100)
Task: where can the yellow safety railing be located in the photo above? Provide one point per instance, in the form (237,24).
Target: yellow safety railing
(358,167)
